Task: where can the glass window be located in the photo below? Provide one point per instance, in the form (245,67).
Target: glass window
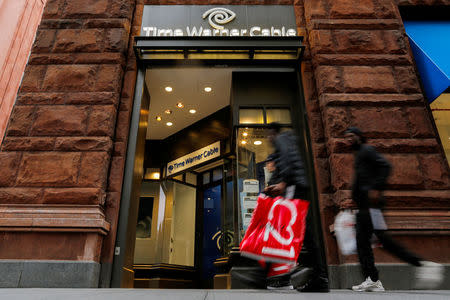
(206,178)
(144,221)
(217,174)
(280,115)
(191,178)
(441,114)
(251,116)
(253,147)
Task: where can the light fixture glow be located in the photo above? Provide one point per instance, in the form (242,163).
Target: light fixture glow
(168,89)
(180,105)
(208,89)
(245,134)
(155,175)
(169,123)
(257,142)
(168,111)
(158,118)
(243,142)
(192,111)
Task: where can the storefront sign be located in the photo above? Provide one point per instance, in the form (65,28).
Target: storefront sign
(195,158)
(228,20)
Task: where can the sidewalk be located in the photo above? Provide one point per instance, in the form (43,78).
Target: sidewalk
(130,294)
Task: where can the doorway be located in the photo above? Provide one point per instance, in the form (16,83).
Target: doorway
(249,98)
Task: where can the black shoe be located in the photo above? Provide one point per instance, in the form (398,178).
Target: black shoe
(300,277)
(315,285)
(280,282)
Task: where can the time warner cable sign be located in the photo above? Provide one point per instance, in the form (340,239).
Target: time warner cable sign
(225,20)
(192,159)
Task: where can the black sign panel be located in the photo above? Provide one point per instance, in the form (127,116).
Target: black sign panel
(225,20)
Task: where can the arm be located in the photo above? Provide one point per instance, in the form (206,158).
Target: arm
(289,164)
(382,167)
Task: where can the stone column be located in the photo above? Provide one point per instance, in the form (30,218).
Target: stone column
(57,151)
(363,75)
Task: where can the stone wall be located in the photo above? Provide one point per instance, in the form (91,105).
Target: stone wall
(365,76)
(62,158)
(64,151)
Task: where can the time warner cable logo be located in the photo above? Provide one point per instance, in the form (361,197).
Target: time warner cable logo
(219,16)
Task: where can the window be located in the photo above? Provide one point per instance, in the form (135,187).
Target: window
(260,116)
(251,116)
(280,115)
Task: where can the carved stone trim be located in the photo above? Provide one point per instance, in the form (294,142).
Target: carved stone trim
(53,218)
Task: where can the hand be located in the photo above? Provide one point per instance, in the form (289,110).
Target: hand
(278,189)
(268,190)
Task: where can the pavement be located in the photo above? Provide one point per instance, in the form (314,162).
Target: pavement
(159,294)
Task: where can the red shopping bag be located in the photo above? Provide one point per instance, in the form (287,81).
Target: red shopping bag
(276,230)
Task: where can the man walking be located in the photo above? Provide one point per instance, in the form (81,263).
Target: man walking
(371,172)
(289,179)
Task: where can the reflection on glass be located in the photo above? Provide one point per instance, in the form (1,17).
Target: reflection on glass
(251,171)
(280,115)
(172,229)
(251,116)
(191,178)
(217,174)
(144,221)
(206,178)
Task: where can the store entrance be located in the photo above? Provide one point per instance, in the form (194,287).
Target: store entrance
(201,171)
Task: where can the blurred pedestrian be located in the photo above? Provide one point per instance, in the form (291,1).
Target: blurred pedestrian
(371,171)
(289,179)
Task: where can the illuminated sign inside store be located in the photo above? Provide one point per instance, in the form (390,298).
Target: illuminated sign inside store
(206,20)
(195,158)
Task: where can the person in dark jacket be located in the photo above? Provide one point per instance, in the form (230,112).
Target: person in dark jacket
(289,179)
(371,171)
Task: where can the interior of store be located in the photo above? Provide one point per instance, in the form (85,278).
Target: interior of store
(204,165)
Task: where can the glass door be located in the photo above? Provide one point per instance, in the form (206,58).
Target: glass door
(212,231)
(252,149)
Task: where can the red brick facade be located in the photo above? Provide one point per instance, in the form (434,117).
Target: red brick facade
(64,150)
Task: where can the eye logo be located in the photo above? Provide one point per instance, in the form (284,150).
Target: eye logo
(170,168)
(219,16)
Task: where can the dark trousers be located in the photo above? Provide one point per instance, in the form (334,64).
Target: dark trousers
(364,232)
(312,259)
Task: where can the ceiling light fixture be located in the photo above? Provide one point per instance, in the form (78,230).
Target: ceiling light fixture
(243,142)
(158,118)
(169,123)
(168,89)
(208,89)
(192,111)
(257,142)
(168,111)
(245,134)
(180,105)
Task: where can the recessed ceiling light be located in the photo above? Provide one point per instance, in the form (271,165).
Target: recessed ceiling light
(243,142)
(158,118)
(169,123)
(208,89)
(180,105)
(168,89)
(257,142)
(168,111)
(192,111)
(245,134)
